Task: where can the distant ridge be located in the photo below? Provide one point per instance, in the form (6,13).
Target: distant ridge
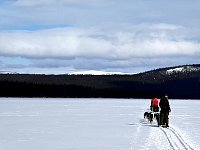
(95,72)
(180,82)
(8,72)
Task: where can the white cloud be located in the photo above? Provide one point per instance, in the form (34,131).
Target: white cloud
(89,43)
(27,13)
(164,26)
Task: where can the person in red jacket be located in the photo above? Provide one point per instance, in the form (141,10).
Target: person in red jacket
(155,109)
(154,105)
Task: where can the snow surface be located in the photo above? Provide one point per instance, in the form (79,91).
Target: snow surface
(182,69)
(95,124)
(95,72)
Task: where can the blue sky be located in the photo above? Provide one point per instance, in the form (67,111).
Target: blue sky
(63,36)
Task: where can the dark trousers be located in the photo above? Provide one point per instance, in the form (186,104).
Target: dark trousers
(158,118)
(164,118)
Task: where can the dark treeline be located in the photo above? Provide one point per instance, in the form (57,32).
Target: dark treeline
(183,85)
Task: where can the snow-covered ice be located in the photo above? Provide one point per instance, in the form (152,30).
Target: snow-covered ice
(95,124)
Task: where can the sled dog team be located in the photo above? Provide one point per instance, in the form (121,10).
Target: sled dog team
(159,110)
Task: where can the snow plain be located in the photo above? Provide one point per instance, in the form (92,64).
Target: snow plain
(95,124)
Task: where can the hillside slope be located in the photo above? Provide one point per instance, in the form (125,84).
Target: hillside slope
(177,82)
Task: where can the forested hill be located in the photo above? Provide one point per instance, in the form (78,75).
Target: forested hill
(181,82)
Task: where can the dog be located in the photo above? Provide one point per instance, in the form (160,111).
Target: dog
(149,116)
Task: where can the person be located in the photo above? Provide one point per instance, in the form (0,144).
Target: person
(155,108)
(164,112)
(154,105)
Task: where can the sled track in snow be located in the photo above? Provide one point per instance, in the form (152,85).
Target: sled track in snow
(175,139)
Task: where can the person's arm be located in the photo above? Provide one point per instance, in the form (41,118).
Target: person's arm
(160,104)
(168,105)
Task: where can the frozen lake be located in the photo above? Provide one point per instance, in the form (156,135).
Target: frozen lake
(94,124)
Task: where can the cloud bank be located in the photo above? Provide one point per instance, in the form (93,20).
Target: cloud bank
(106,35)
(141,41)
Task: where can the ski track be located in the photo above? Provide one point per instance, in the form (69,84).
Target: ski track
(175,140)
